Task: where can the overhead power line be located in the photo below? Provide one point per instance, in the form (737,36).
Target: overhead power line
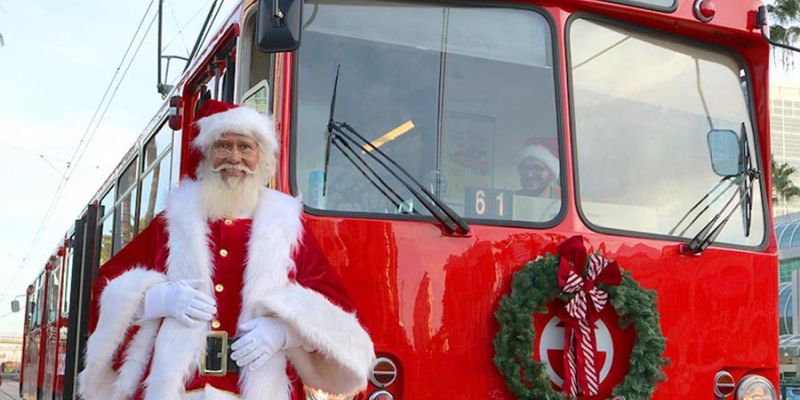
(45,157)
(186,25)
(177,25)
(88,134)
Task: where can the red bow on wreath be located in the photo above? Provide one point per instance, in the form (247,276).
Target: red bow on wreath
(580,346)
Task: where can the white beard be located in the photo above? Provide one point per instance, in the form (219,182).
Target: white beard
(233,198)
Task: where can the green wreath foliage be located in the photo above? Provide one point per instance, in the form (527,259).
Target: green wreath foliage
(536,285)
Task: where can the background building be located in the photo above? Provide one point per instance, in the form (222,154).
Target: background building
(787,232)
(785,127)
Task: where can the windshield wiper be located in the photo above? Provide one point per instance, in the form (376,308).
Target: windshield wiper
(708,234)
(370,175)
(342,135)
(361,166)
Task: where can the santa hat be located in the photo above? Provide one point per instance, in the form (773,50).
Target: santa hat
(542,152)
(215,118)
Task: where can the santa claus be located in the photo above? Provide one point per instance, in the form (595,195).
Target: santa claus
(224,295)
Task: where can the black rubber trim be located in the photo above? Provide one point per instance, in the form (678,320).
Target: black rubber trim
(640,4)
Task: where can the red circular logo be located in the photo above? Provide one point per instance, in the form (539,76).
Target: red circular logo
(613,347)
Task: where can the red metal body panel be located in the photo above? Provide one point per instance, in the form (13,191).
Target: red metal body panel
(24,365)
(30,363)
(61,332)
(35,346)
(44,348)
(51,328)
(428,299)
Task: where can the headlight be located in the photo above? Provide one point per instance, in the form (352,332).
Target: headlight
(755,387)
(316,394)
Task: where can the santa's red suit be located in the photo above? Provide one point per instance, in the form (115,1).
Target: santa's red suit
(264,266)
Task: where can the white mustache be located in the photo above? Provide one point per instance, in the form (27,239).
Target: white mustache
(239,167)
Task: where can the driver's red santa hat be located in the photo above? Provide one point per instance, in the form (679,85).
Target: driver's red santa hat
(215,118)
(542,151)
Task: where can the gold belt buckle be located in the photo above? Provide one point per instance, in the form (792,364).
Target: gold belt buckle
(214,361)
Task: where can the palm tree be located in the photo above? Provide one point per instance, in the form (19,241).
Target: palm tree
(783,189)
(784,28)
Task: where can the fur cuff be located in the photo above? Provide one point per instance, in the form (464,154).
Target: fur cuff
(344,351)
(120,303)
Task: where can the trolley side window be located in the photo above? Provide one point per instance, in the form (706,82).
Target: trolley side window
(462,98)
(67,277)
(106,226)
(35,306)
(125,213)
(53,286)
(258,70)
(156,174)
(647,138)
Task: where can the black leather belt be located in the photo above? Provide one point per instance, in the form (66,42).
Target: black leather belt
(216,360)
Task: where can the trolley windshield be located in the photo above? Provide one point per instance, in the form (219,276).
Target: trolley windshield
(462,98)
(649,115)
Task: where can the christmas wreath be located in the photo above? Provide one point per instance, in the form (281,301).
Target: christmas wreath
(584,285)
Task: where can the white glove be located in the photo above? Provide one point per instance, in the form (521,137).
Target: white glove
(179,300)
(263,337)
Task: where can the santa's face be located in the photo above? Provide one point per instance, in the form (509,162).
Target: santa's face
(534,176)
(235,156)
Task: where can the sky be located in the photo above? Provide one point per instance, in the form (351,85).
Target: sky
(58,59)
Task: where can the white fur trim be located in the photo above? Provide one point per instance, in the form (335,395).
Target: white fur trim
(178,348)
(274,235)
(540,153)
(136,358)
(210,393)
(241,120)
(275,231)
(175,359)
(190,255)
(120,303)
(344,353)
(267,382)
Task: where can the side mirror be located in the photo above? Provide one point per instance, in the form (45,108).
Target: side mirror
(15,306)
(725,151)
(278,25)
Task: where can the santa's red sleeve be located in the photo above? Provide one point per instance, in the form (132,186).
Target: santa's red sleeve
(337,353)
(115,337)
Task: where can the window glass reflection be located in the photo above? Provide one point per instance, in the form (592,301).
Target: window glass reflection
(106,239)
(644,110)
(658,4)
(125,220)
(127,179)
(107,203)
(462,98)
(53,286)
(155,187)
(156,146)
(68,278)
